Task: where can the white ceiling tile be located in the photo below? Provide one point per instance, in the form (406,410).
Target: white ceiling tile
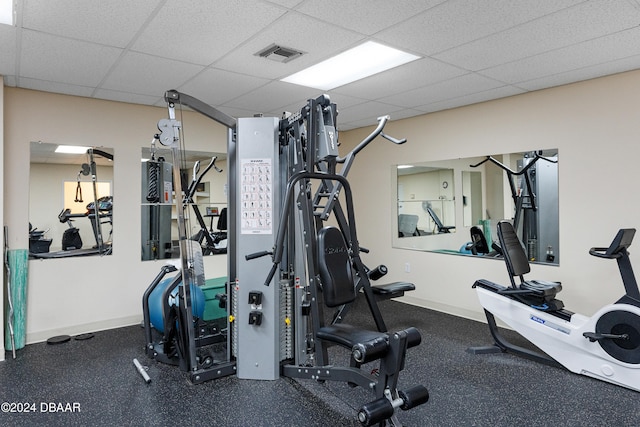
(10,81)
(370,121)
(569,26)
(581,55)
(342,101)
(404,114)
(206,48)
(423,72)
(47,86)
(204,30)
(286,3)
(369,111)
(146,74)
(128,97)
(47,57)
(238,112)
(456,22)
(113,22)
(343,126)
(274,96)
(365,16)
(454,88)
(219,86)
(497,93)
(7,49)
(604,69)
(295,31)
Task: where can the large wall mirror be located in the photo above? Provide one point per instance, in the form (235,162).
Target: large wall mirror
(70,201)
(426,204)
(204,188)
(453,206)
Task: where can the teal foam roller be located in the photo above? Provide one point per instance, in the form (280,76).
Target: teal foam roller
(18,279)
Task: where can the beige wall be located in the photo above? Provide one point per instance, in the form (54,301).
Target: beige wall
(2,213)
(76,295)
(594,124)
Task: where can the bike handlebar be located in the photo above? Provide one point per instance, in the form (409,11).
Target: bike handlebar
(602,253)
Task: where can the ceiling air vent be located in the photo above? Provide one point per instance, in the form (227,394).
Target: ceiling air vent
(278,53)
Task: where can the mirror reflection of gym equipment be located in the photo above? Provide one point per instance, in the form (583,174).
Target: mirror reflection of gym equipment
(534,191)
(87,201)
(522,187)
(425,201)
(275,321)
(200,176)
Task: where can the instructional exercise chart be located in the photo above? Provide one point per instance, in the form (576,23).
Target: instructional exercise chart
(257,196)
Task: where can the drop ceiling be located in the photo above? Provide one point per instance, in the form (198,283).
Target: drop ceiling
(471,51)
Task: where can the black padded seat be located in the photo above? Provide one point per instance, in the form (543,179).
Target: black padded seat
(390,290)
(347,335)
(539,294)
(334,266)
(542,287)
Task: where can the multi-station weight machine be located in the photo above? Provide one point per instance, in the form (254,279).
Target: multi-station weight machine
(285,263)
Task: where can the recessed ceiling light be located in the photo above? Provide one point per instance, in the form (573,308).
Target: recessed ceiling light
(354,64)
(71,149)
(6,12)
(404,166)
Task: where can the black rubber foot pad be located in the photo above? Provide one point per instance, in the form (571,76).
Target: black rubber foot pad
(83,337)
(59,339)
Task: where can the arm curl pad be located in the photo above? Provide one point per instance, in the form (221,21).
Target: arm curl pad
(370,350)
(377,348)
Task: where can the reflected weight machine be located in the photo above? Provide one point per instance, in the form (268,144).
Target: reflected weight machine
(157,202)
(534,191)
(99,211)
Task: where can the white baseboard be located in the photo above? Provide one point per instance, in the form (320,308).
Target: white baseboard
(40,336)
(444,308)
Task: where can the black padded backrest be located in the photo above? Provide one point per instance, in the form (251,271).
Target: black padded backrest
(514,255)
(334,266)
(479,241)
(435,218)
(222,220)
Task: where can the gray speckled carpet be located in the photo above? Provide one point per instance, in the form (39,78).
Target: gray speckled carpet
(97,377)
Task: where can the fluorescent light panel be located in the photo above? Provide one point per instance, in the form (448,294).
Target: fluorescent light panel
(6,12)
(354,64)
(71,149)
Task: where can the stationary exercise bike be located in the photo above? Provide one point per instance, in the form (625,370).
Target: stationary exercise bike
(605,346)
